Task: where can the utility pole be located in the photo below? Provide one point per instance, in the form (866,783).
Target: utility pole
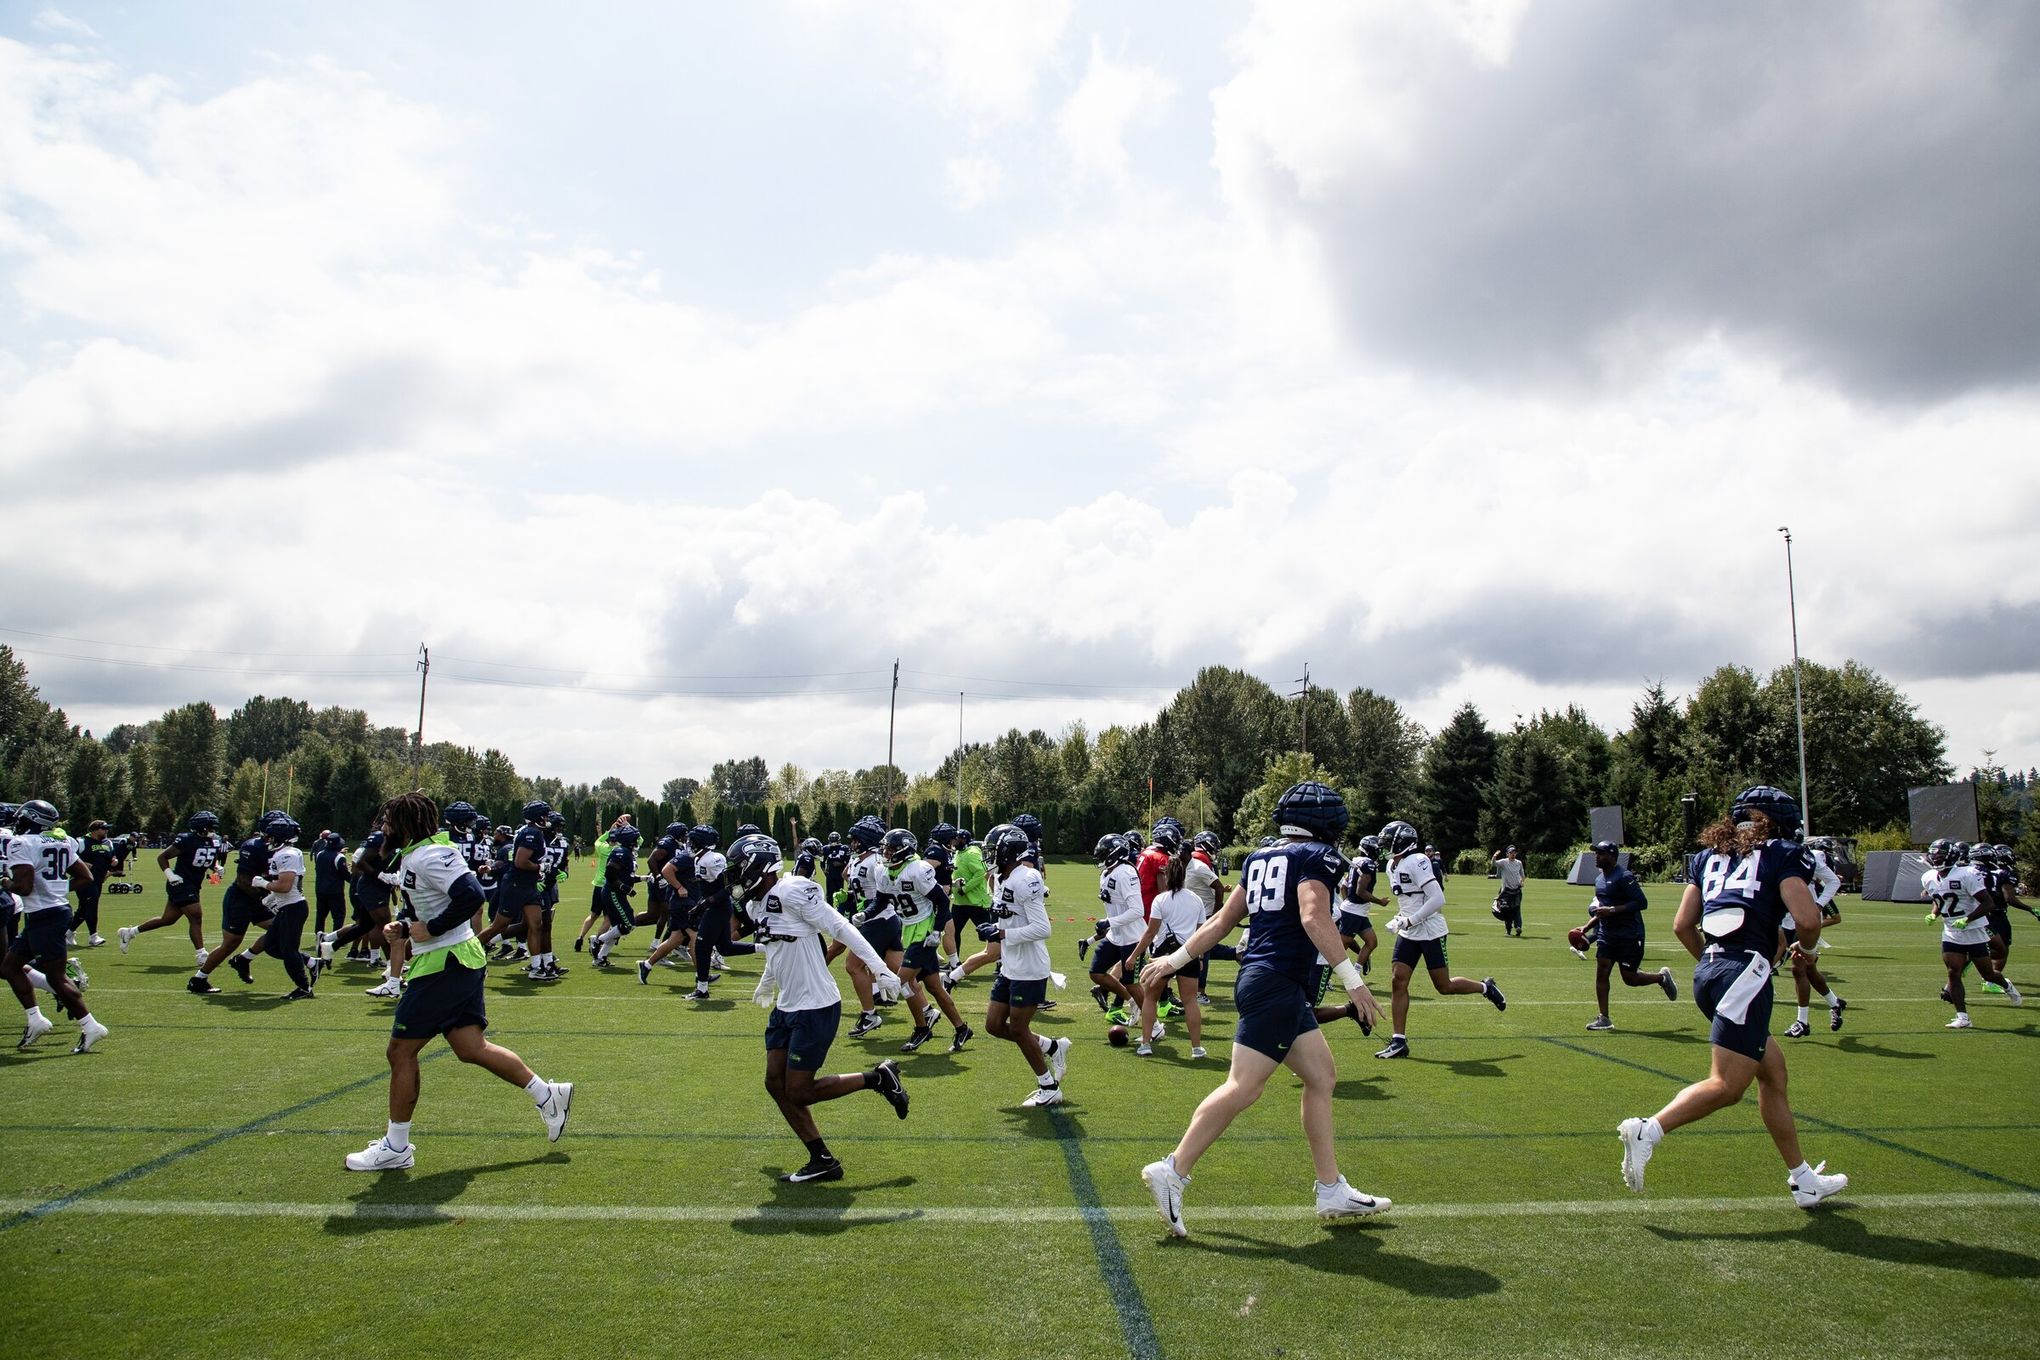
(959,758)
(1798,705)
(1304,694)
(265,784)
(418,751)
(892,713)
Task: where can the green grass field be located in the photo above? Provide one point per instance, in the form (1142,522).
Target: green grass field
(179,1191)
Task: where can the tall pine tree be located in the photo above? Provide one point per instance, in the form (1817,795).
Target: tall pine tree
(1457,770)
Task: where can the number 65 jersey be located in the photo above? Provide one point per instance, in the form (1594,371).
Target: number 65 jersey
(1741,907)
(1271,879)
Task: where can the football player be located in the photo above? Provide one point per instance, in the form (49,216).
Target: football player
(43,868)
(1289,890)
(835,865)
(970,898)
(1960,901)
(241,906)
(1020,927)
(557,862)
(1205,878)
(610,894)
(329,882)
(369,895)
(792,914)
(283,895)
(1807,977)
(1750,876)
(1356,922)
(922,903)
(518,893)
(988,949)
(710,892)
(875,913)
(1124,924)
(808,858)
(1617,911)
(185,863)
(440,895)
(1420,930)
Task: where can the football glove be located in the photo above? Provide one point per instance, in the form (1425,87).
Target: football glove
(170,876)
(990,933)
(1397,924)
(885,985)
(261,883)
(394,879)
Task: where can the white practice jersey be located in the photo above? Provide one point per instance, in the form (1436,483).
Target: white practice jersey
(875,886)
(430,873)
(792,917)
(1125,914)
(1181,912)
(914,892)
(1957,894)
(51,857)
(1020,909)
(1826,882)
(1201,879)
(287,859)
(1413,882)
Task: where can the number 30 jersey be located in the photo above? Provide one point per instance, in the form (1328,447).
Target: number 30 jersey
(1272,879)
(1740,903)
(51,858)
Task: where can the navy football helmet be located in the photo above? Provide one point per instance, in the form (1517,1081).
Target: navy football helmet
(1009,847)
(558,821)
(458,814)
(963,837)
(1029,825)
(1313,809)
(37,814)
(753,859)
(537,810)
(749,829)
(1780,809)
(626,835)
(703,837)
(676,831)
(809,846)
(280,827)
(943,834)
(204,821)
(1370,846)
(867,833)
(899,846)
(1941,854)
(835,838)
(1398,838)
(1112,849)
(1169,836)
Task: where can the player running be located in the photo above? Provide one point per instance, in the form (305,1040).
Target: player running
(1122,928)
(791,915)
(42,870)
(1961,903)
(1287,890)
(1617,912)
(439,897)
(185,863)
(283,897)
(1420,929)
(922,903)
(1739,889)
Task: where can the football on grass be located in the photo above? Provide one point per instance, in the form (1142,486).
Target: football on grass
(1117,1034)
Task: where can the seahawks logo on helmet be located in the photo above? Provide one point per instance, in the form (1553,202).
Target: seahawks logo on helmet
(752,860)
(37,814)
(1111,850)
(899,846)
(1397,838)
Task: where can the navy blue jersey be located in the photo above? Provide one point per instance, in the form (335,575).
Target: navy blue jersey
(1360,879)
(804,863)
(621,866)
(1621,888)
(193,853)
(1272,878)
(835,863)
(944,864)
(368,891)
(252,858)
(530,838)
(683,868)
(668,848)
(1741,907)
(326,872)
(97,856)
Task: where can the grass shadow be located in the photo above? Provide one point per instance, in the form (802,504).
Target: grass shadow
(1670,1036)
(1363,1088)
(1038,1123)
(1357,1249)
(818,1208)
(1833,1230)
(1469,1067)
(397,1200)
(1849,1043)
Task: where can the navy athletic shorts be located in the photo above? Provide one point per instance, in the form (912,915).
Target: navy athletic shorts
(805,1035)
(1274,1011)
(1430,952)
(1017,993)
(440,1002)
(1712,978)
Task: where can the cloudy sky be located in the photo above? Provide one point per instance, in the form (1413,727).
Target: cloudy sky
(1470,350)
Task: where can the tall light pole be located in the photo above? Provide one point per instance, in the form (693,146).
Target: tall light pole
(1798,703)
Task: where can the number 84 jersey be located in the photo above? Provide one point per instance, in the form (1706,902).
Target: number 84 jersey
(1271,880)
(1740,903)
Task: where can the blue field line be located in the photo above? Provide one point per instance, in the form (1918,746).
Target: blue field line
(1135,1325)
(154,1164)
(1815,1120)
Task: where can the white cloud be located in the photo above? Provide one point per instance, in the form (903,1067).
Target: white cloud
(49,19)
(1113,98)
(973,181)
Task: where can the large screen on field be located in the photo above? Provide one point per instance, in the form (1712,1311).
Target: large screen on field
(1893,876)
(1943,810)
(1607,824)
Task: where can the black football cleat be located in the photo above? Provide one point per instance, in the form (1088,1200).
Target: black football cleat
(886,1081)
(817,1169)
(199,986)
(242,970)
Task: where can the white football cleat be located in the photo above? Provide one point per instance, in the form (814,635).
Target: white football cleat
(1043,1096)
(1167,1188)
(2012,994)
(388,987)
(1343,1201)
(1058,1059)
(559,1098)
(1635,1153)
(1815,1187)
(96,940)
(326,948)
(1959,1022)
(1158,1031)
(127,936)
(380,1156)
(33,1028)
(90,1032)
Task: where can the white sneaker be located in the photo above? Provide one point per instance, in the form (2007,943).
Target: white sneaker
(1635,1153)
(1197,1050)
(1167,1188)
(1815,1187)
(98,940)
(127,936)
(326,948)
(1343,1201)
(559,1098)
(1146,1050)
(90,1032)
(380,1156)
(33,1028)
(1043,1095)
(199,956)
(1058,1059)
(1959,1022)
(388,987)
(953,976)
(715,962)
(2011,994)
(1158,1031)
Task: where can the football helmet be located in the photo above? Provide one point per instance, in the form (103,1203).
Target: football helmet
(1111,849)
(1398,838)
(537,810)
(458,814)
(899,847)
(203,821)
(1312,809)
(280,827)
(37,814)
(1168,835)
(753,859)
(1780,809)
(703,837)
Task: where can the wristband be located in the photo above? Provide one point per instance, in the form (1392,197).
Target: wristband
(1348,976)
(1177,961)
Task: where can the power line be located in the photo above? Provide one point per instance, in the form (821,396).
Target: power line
(205,651)
(1043,684)
(507,683)
(652,675)
(189,666)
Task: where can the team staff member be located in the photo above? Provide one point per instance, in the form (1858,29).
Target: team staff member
(1509,893)
(1288,890)
(792,915)
(1618,909)
(41,869)
(97,854)
(970,899)
(440,896)
(1750,877)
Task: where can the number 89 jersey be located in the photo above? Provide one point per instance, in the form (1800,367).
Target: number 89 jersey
(1740,903)
(1272,880)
